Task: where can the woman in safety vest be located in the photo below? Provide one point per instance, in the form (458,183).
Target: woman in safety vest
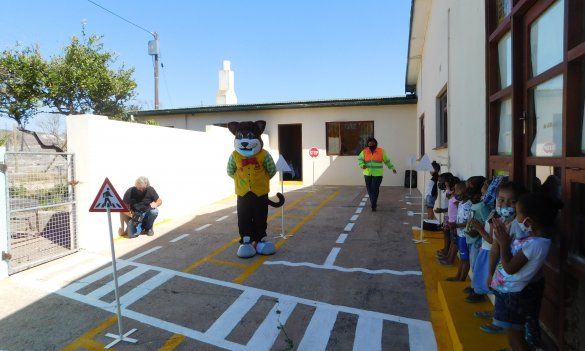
(372,160)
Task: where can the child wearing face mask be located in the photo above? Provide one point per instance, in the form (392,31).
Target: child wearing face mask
(431,190)
(447,257)
(506,196)
(518,281)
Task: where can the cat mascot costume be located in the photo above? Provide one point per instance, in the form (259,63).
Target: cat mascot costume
(251,167)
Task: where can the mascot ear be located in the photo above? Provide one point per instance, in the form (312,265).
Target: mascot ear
(233,127)
(261,125)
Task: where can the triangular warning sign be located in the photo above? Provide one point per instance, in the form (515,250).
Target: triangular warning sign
(108,197)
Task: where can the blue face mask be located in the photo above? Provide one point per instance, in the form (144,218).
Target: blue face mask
(525,230)
(506,212)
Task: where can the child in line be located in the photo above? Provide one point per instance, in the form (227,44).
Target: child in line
(446,192)
(506,196)
(446,258)
(431,190)
(479,213)
(518,281)
(463,210)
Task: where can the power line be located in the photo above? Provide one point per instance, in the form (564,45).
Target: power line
(122,18)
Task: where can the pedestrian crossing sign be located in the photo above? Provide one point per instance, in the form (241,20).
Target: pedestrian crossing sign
(108,197)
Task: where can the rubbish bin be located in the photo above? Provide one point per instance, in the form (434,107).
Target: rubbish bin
(410,179)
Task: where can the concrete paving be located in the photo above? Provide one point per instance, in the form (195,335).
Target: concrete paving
(345,278)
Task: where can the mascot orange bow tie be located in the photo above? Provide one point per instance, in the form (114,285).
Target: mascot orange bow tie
(249,161)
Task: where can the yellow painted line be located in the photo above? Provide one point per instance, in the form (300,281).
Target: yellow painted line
(294,217)
(228,263)
(235,240)
(211,255)
(225,199)
(293,182)
(254,266)
(86,342)
(172,343)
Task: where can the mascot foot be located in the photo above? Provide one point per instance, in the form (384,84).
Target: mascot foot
(246,250)
(265,247)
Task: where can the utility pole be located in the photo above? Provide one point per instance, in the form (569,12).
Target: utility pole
(153,50)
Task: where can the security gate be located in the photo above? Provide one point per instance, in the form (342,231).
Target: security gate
(41,207)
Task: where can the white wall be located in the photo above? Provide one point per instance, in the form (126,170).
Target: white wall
(393,128)
(187,168)
(454,58)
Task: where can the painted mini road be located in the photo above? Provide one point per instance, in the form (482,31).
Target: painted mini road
(244,317)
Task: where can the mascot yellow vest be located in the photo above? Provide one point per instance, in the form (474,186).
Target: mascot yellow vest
(251,175)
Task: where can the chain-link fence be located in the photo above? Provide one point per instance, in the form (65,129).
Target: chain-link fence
(41,206)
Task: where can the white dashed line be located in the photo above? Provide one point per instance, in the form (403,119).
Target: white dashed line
(221,219)
(341,238)
(354,218)
(359,210)
(134,258)
(203,227)
(235,212)
(365,199)
(181,237)
(362,203)
(332,256)
(348,227)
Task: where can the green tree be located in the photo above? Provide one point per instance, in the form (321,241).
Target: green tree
(22,84)
(81,80)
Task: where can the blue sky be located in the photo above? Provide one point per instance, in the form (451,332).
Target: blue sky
(280,50)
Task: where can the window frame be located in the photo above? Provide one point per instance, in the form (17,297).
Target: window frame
(340,124)
(442,119)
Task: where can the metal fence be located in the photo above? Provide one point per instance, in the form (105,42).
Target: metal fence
(41,206)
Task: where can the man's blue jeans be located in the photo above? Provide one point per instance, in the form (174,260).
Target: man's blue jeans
(373,187)
(146,224)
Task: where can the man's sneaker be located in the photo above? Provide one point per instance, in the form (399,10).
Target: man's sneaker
(150,232)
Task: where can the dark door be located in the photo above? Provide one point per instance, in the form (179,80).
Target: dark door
(290,146)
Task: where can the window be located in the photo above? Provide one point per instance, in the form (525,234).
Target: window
(348,138)
(547,118)
(504,8)
(505,128)
(546,39)
(442,120)
(505,60)
(422,135)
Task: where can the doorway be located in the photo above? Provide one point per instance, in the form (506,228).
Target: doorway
(290,146)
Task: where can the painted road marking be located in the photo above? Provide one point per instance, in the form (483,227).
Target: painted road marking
(181,237)
(221,218)
(317,334)
(203,227)
(341,238)
(342,269)
(235,212)
(359,210)
(365,199)
(123,279)
(142,254)
(224,325)
(354,218)
(368,334)
(362,203)
(332,256)
(421,335)
(366,196)
(348,227)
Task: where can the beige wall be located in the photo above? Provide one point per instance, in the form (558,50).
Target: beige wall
(454,58)
(178,163)
(393,127)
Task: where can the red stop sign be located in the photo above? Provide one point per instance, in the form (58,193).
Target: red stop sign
(313,152)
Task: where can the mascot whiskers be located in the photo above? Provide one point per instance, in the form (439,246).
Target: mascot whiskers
(251,167)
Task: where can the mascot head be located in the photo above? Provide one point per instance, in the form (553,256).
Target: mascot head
(248,134)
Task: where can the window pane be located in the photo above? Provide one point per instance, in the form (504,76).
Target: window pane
(505,133)
(547,118)
(503,9)
(505,60)
(546,39)
(348,138)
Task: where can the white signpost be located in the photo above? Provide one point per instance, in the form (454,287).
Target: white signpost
(411,160)
(108,200)
(424,165)
(281,167)
(313,152)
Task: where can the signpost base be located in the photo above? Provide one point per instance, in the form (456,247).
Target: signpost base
(121,338)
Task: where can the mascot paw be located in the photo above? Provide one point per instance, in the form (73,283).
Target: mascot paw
(265,248)
(246,250)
